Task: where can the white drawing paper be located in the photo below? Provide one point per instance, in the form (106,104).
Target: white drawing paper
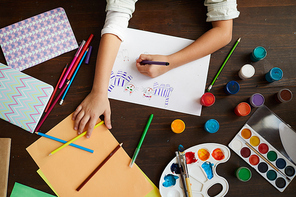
(178,90)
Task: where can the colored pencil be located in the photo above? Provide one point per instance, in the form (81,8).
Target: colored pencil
(266,160)
(55,89)
(99,167)
(155,62)
(225,61)
(72,63)
(51,107)
(72,79)
(141,140)
(74,139)
(64,141)
(80,56)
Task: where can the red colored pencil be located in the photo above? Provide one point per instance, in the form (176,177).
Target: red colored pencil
(51,107)
(55,89)
(97,169)
(80,56)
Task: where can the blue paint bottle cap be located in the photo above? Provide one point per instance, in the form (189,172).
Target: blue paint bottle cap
(274,74)
(258,53)
(211,126)
(232,87)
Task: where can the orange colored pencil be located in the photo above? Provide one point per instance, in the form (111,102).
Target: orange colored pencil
(55,89)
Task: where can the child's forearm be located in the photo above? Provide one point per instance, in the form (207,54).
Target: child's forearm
(108,49)
(214,39)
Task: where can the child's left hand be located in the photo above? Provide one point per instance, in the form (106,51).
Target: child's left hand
(152,70)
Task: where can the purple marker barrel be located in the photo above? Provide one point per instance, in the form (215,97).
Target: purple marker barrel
(257,100)
(88,55)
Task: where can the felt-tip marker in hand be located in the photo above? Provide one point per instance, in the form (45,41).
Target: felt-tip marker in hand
(155,62)
(141,141)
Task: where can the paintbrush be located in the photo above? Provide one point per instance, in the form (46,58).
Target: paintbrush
(184,162)
(182,173)
(262,157)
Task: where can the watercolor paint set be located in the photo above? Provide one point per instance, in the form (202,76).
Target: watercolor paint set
(202,161)
(267,144)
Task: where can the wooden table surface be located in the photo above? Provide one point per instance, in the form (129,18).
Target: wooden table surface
(267,23)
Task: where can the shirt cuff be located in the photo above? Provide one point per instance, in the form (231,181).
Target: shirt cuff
(116,23)
(223,10)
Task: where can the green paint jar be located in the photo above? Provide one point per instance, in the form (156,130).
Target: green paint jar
(243,174)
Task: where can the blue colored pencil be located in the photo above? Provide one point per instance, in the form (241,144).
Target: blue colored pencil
(72,79)
(63,141)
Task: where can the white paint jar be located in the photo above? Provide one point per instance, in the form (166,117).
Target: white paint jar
(247,71)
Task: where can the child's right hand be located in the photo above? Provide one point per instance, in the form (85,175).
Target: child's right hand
(152,70)
(89,111)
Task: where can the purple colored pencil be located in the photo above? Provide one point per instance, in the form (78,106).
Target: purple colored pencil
(155,62)
(88,55)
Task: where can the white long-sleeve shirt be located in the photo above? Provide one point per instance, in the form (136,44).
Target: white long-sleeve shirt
(119,13)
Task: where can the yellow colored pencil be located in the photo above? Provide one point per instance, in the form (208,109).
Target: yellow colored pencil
(74,139)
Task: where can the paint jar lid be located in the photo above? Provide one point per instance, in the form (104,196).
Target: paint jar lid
(242,109)
(257,100)
(207,99)
(178,126)
(247,71)
(258,53)
(284,95)
(232,87)
(274,74)
(243,174)
(211,126)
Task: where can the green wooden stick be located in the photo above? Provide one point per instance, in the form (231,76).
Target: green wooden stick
(210,87)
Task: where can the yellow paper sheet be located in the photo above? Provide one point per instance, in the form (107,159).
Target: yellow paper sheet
(69,167)
(153,193)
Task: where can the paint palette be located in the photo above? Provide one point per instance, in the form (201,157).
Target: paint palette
(263,157)
(202,161)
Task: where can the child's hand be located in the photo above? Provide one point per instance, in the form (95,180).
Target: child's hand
(152,70)
(89,111)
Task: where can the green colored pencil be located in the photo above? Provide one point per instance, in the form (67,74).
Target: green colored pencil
(141,141)
(210,87)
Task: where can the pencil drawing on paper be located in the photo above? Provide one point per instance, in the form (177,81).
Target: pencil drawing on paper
(123,54)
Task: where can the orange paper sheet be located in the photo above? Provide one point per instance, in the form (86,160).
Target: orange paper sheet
(69,167)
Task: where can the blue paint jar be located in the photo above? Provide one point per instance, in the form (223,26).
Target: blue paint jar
(274,74)
(232,87)
(258,53)
(211,126)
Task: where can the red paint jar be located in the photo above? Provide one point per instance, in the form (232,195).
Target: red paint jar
(207,99)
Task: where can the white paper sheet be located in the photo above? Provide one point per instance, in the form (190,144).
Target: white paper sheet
(178,90)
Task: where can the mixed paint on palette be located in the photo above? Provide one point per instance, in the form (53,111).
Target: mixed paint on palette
(202,161)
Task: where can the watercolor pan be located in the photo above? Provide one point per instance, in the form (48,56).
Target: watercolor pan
(198,158)
(249,145)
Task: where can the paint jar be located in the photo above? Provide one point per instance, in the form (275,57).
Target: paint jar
(178,126)
(211,126)
(284,95)
(247,71)
(258,53)
(257,100)
(232,87)
(207,99)
(242,109)
(274,74)
(243,174)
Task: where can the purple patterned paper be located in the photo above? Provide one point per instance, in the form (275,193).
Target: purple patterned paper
(37,39)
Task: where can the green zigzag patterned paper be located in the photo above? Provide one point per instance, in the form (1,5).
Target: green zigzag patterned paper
(23,98)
